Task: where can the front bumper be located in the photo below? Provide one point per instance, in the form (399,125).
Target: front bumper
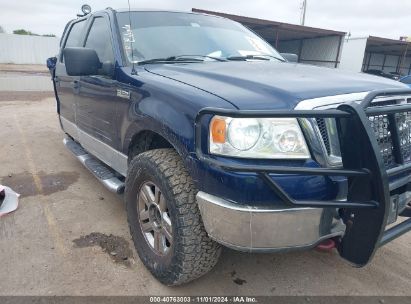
(252,229)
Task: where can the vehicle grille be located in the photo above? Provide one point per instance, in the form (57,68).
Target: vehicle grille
(383,126)
(404,123)
(324,134)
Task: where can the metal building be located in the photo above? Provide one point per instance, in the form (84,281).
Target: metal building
(312,45)
(376,53)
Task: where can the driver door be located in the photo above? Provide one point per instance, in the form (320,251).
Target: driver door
(97,101)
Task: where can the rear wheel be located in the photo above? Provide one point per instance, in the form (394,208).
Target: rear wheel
(164,219)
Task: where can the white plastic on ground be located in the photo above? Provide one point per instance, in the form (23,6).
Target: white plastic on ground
(10,202)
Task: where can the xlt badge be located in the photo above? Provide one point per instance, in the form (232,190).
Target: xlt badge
(123,93)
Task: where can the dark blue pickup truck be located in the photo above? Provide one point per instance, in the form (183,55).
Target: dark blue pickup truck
(215,138)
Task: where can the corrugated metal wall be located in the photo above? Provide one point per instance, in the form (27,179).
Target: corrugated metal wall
(374,61)
(391,63)
(320,51)
(292,46)
(23,49)
(406,66)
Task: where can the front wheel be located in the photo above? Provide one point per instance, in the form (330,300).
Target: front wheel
(164,219)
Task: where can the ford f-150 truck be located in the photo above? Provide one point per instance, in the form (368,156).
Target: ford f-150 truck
(216,139)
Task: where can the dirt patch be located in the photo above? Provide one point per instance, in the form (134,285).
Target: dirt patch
(239,281)
(115,246)
(24,68)
(22,183)
(52,183)
(25,184)
(236,280)
(13,72)
(25,95)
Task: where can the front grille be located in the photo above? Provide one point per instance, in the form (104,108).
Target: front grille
(322,127)
(384,126)
(381,126)
(403,121)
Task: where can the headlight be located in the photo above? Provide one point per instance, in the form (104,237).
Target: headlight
(243,134)
(270,138)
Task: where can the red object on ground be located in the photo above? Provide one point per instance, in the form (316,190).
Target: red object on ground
(326,245)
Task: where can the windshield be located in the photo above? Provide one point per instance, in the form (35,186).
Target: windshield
(156,35)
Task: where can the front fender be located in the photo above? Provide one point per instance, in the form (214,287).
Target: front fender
(176,128)
(163,106)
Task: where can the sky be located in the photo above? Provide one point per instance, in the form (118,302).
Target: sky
(361,18)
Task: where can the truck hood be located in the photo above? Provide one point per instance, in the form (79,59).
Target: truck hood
(263,85)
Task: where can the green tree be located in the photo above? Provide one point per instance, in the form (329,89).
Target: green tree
(24,32)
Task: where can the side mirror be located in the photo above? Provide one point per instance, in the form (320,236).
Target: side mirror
(290,57)
(81,61)
(51,63)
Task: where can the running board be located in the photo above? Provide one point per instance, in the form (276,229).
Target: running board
(107,176)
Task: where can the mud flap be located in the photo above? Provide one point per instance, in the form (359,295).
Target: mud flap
(365,227)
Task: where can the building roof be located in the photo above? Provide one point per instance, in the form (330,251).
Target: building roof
(388,46)
(272,30)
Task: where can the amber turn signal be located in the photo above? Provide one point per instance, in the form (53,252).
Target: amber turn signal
(218,130)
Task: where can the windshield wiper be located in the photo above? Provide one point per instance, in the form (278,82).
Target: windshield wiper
(254,57)
(179,58)
(202,56)
(172,59)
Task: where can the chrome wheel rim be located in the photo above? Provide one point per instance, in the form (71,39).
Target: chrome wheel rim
(154,218)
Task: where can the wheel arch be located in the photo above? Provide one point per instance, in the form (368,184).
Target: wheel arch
(147,140)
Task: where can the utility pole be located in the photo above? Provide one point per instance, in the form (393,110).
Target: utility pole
(303,11)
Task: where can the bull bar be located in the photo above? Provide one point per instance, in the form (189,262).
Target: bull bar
(370,183)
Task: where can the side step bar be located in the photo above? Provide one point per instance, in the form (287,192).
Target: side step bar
(108,177)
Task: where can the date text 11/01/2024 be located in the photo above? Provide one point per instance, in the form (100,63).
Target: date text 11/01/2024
(204,299)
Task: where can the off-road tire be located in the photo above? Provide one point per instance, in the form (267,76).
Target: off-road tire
(192,253)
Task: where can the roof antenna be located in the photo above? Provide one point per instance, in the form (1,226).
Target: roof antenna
(131,39)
